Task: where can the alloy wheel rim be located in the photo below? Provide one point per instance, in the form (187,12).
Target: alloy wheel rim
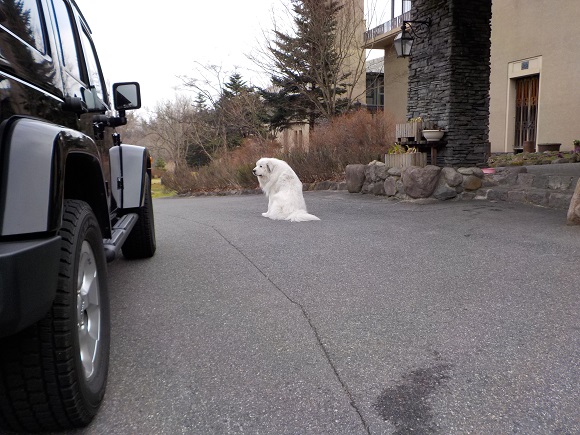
(88,309)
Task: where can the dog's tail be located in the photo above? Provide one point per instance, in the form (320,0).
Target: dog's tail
(301,216)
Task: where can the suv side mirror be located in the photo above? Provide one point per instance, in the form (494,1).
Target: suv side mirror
(127,96)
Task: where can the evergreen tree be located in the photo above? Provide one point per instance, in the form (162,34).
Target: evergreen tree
(235,86)
(241,111)
(200,102)
(307,78)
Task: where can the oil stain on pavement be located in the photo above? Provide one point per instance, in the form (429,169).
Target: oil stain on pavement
(406,405)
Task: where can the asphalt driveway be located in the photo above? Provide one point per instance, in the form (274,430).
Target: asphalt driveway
(384,317)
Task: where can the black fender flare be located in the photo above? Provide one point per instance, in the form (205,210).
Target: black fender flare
(42,163)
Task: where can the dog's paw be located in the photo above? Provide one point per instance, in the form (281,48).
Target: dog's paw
(265,214)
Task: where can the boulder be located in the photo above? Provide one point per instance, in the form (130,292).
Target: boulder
(471,182)
(378,188)
(376,171)
(390,186)
(381,172)
(452,177)
(573,217)
(396,172)
(420,182)
(400,186)
(471,171)
(355,177)
(443,191)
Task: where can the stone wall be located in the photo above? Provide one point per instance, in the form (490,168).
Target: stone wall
(412,182)
(449,73)
(512,184)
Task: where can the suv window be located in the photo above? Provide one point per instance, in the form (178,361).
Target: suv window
(23,19)
(95,78)
(67,38)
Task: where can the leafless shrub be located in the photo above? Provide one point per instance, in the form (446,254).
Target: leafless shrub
(358,137)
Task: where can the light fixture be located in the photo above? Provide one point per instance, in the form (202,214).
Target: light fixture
(403,42)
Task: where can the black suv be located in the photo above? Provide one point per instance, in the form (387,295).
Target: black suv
(72,197)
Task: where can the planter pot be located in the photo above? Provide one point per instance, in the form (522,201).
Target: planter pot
(433,135)
(529,146)
(405,160)
(548,147)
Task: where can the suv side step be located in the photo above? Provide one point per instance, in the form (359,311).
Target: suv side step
(121,231)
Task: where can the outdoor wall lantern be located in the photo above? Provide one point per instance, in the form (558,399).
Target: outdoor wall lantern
(403,42)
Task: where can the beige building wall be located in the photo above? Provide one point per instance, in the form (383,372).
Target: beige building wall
(350,40)
(396,70)
(396,85)
(542,36)
(296,136)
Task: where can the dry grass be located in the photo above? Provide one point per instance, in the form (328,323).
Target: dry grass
(159,190)
(357,137)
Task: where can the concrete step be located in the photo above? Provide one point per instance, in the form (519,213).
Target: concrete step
(557,199)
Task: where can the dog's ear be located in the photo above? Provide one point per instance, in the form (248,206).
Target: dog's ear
(269,167)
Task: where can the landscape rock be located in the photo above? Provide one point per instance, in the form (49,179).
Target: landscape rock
(323,185)
(355,177)
(471,171)
(573,216)
(376,171)
(378,188)
(559,182)
(525,179)
(443,191)
(390,186)
(420,182)
(381,172)
(471,182)
(400,186)
(508,175)
(452,177)
(559,200)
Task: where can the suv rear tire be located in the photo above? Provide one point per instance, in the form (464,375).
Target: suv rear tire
(141,243)
(53,375)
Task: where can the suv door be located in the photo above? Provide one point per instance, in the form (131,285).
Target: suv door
(84,86)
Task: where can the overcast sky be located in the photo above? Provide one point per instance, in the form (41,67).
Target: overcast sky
(154,42)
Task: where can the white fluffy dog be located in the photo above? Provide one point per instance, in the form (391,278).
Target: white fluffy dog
(283,189)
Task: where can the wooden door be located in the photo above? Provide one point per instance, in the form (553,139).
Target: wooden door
(527,92)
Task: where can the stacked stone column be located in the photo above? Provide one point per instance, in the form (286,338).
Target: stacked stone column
(449,74)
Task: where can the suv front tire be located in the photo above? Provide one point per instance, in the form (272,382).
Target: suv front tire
(53,374)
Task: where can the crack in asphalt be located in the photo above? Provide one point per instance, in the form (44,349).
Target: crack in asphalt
(312,327)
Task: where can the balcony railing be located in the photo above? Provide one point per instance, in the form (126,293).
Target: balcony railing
(387,27)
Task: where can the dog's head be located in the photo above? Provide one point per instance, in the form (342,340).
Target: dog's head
(264,168)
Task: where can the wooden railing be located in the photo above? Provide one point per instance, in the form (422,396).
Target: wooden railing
(409,132)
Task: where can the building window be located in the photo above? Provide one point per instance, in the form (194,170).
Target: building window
(375,98)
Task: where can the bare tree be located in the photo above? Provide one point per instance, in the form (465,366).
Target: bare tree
(175,127)
(236,108)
